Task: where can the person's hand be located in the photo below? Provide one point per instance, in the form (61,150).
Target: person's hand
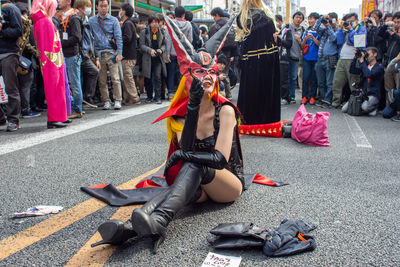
(362,58)
(98,64)
(374,22)
(390,24)
(275,37)
(222,76)
(153,53)
(231,59)
(119,57)
(169,58)
(1,25)
(196,90)
(297,37)
(159,51)
(398,57)
(171,161)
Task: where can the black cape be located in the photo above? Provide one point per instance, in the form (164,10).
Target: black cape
(259,93)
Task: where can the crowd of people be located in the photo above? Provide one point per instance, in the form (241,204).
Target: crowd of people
(62,59)
(93,61)
(338,58)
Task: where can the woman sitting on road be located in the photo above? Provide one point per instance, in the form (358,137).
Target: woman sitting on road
(205,159)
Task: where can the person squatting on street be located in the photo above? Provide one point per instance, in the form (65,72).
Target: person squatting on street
(372,74)
(202,130)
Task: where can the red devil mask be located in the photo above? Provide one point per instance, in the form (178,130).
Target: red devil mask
(202,62)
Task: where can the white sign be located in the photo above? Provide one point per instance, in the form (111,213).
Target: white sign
(360,40)
(217,260)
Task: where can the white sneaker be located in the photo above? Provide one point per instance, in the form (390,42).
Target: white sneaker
(107,106)
(117,105)
(284,102)
(373,113)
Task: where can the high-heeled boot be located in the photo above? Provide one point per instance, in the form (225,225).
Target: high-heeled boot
(116,232)
(182,192)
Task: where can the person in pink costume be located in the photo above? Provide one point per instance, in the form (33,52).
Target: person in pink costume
(51,61)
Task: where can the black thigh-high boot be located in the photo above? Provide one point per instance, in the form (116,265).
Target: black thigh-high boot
(116,232)
(182,192)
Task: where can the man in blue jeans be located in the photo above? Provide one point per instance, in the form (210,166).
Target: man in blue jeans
(295,53)
(71,37)
(311,40)
(327,57)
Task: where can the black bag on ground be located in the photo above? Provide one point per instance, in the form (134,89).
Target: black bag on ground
(354,105)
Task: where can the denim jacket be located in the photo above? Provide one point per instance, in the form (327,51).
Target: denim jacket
(113,30)
(328,45)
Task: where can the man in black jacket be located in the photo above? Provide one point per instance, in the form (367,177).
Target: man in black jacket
(284,40)
(71,38)
(10,31)
(128,29)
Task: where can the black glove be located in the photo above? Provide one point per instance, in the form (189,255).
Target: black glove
(238,235)
(215,160)
(189,129)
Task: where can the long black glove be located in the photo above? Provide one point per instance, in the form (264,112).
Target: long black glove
(215,160)
(238,235)
(189,130)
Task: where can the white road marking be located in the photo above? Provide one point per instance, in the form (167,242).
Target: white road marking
(356,132)
(43,137)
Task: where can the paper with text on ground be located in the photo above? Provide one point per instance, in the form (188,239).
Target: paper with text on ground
(218,260)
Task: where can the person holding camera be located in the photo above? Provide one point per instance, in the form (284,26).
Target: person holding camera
(327,57)
(10,32)
(349,36)
(390,32)
(108,44)
(310,46)
(152,44)
(371,79)
(373,25)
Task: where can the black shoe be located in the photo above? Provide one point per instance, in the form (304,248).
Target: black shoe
(55,124)
(68,121)
(181,193)
(148,100)
(12,127)
(115,232)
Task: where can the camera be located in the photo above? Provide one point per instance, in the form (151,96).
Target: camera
(326,21)
(346,23)
(359,53)
(390,29)
(158,53)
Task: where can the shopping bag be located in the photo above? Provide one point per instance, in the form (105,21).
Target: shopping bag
(3,93)
(309,128)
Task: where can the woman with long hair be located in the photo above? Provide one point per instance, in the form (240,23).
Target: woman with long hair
(205,159)
(259,92)
(51,61)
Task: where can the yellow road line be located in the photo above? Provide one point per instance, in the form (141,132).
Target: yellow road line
(21,240)
(98,256)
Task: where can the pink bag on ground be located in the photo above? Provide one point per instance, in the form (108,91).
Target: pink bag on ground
(309,128)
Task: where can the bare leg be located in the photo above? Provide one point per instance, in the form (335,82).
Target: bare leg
(225,187)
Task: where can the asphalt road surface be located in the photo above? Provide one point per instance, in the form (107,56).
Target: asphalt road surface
(350,190)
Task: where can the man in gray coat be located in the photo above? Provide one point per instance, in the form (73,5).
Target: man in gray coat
(152,45)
